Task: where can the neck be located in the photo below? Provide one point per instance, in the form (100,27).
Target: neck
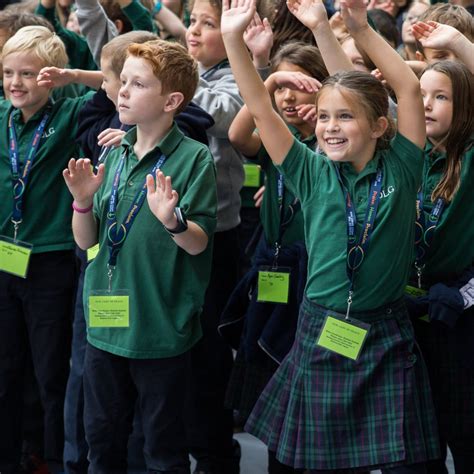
(148,136)
(28,112)
(410,51)
(438,144)
(360,163)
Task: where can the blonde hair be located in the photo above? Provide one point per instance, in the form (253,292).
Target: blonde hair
(172,65)
(46,45)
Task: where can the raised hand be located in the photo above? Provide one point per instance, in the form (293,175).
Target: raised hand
(295,81)
(435,35)
(162,198)
(55,77)
(308,113)
(259,39)
(81,180)
(110,137)
(310,12)
(236,15)
(354,14)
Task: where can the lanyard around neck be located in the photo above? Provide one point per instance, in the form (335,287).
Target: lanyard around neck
(116,234)
(20,179)
(424,231)
(357,247)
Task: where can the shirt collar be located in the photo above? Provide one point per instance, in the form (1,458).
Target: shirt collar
(167,144)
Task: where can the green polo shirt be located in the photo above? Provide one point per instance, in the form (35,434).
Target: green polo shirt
(166,284)
(47,202)
(270,215)
(384,272)
(452,248)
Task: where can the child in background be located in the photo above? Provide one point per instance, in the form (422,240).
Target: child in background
(265,334)
(37,140)
(148,356)
(443,273)
(446,14)
(408,47)
(327,409)
(210,426)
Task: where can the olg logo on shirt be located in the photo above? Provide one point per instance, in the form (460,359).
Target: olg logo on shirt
(386,192)
(49,132)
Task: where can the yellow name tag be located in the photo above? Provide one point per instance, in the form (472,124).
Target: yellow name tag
(92,252)
(14,256)
(252,175)
(345,337)
(273,286)
(109,310)
(414,291)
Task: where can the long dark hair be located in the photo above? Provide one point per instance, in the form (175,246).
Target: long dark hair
(461,132)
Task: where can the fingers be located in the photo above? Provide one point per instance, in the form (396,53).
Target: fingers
(150,185)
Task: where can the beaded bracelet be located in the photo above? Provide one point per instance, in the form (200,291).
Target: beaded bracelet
(82,211)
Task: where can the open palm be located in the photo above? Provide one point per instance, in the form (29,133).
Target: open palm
(236,15)
(310,12)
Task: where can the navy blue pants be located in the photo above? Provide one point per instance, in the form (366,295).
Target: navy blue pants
(112,385)
(35,315)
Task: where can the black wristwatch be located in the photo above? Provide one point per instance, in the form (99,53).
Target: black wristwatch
(182,225)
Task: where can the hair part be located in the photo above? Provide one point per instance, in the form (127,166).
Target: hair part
(116,50)
(363,91)
(303,55)
(460,134)
(172,65)
(45,44)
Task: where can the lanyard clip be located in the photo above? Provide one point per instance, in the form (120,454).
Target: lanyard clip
(16,225)
(110,272)
(349,302)
(277,253)
(419,272)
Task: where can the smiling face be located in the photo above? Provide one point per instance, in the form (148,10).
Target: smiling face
(203,38)
(287,99)
(343,129)
(19,82)
(437,92)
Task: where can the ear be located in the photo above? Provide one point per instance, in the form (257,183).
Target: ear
(379,127)
(119,25)
(174,100)
(420,56)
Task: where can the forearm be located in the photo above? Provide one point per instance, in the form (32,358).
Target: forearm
(171,23)
(399,75)
(251,86)
(464,51)
(242,135)
(194,240)
(333,55)
(84,228)
(92,79)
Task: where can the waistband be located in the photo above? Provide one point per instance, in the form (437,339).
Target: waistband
(387,311)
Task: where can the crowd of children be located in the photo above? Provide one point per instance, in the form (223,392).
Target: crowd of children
(144,316)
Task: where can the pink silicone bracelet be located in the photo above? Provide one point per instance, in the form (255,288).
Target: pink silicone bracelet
(82,211)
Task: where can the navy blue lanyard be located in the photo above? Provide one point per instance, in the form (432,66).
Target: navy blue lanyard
(424,232)
(116,234)
(357,247)
(224,63)
(104,153)
(20,180)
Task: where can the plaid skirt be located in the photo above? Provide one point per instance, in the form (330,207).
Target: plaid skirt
(323,411)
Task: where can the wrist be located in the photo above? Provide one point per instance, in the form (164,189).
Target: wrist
(171,222)
(261,61)
(156,8)
(82,207)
